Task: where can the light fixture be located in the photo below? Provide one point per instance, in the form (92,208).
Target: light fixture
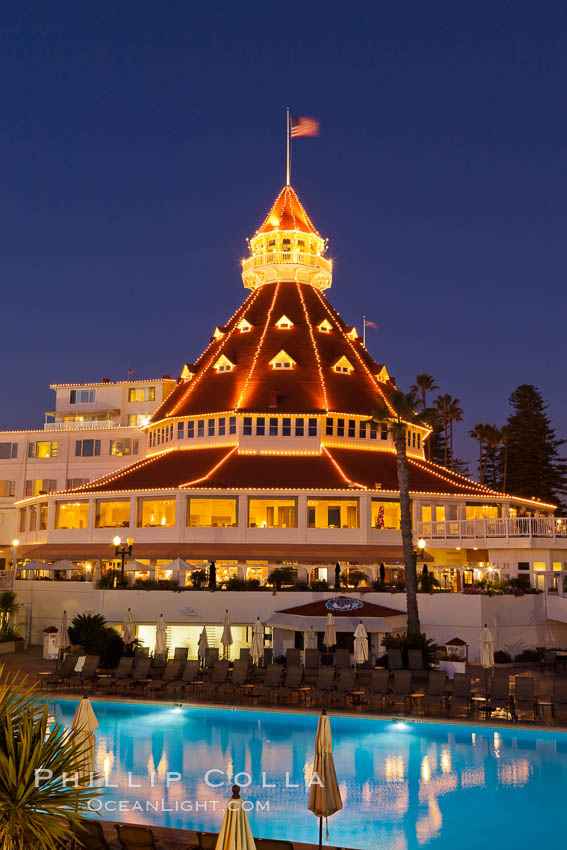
(117,540)
(421,543)
(15,543)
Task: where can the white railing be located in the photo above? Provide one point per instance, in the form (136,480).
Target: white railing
(474,529)
(85,424)
(294,257)
(7,579)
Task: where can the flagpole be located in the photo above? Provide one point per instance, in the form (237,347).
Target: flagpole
(364,331)
(288,170)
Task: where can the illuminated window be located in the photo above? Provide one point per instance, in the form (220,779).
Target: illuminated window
(223,364)
(40,485)
(299,427)
(141,394)
(272,513)
(232,425)
(557,566)
(137,420)
(343,365)
(217,333)
(43,449)
(284,324)
(426,513)
(82,396)
(286,427)
(273,432)
(325,326)
(329,427)
(383,375)
(244,326)
(43,516)
(418,440)
(153,513)
(539,566)
(180,430)
(200,427)
(247,426)
(352,428)
(260,426)
(71,515)
(340,427)
(222,426)
(9,450)
(212,513)
(473,511)
(332,513)
(8,489)
(112,514)
(352,334)
(211,427)
(385,514)
(32,517)
(72,483)
(282,360)
(87,448)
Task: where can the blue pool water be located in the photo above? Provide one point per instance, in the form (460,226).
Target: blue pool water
(404,785)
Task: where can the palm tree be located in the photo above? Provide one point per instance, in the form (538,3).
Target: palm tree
(493,440)
(443,405)
(403,413)
(479,433)
(424,384)
(505,433)
(455,415)
(8,606)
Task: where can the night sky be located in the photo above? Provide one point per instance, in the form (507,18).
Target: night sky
(141,142)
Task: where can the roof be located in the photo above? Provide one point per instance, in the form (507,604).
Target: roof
(320,609)
(287,213)
(312,386)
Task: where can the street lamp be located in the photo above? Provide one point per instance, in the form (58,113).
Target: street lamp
(420,547)
(15,544)
(122,551)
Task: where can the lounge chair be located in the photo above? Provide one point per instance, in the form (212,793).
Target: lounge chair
(549,659)
(189,675)
(344,686)
(88,836)
(500,694)
(135,837)
(292,681)
(342,658)
(524,696)
(211,658)
(272,680)
(139,674)
(436,694)
(379,686)
(272,844)
(293,658)
(218,676)
(239,676)
(395,661)
(415,660)
(122,671)
(460,697)
(401,688)
(66,670)
(325,681)
(180,654)
(312,659)
(87,674)
(268,656)
(244,656)
(170,673)
(559,705)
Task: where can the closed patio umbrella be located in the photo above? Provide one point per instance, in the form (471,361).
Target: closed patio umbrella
(324,794)
(128,626)
(62,639)
(310,639)
(226,639)
(257,648)
(161,637)
(360,644)
(486,652)
(203,645)
(330,636)
(84,724)
(235,832)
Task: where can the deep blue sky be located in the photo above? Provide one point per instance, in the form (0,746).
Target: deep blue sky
(141,142)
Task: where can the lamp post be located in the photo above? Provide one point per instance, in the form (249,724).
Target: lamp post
(419,550)
(121,552)
(15,544)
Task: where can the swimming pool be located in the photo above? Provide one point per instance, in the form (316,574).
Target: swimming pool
(404,785)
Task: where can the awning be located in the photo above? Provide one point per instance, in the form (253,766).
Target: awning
(344,624)
(347,611)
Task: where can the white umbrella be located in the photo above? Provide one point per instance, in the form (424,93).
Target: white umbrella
(310,639)
(257,648)
(226,639)
(203,644)
(161,637)
(62,639)
(235,832)
(128,626)
(486,652)
(131,566)
(330,636)
(360,644)
(324,794)
(84,725)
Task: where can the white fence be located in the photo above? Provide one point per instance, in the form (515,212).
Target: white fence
(506,527)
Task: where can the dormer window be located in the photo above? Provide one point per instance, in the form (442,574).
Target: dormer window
(301,243)
(187,372)
(352,334)
(271,243)
(382,375)
(244,326)
(325,327)
(223,364)
(284,324)
(218,334)
(282,360)
(343,365)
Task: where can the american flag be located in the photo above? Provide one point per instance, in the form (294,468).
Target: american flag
(130,371)
(371,324)
(304,126)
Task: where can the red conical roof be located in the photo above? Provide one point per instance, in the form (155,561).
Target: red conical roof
(287,213)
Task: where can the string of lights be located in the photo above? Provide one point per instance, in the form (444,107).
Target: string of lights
(315,349)
(259,347)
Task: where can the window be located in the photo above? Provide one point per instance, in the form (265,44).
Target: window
(22,520)
(386,513)
(329,427)
(362,430)
(284,324)
(299,427)
(312,428)
(343,365)
(71,515)
(260,426)
(154,513)
(244,326)
(273,426)
(383,431)
(373,431)
(325,327)
(212,513)
(82,396)
(232,425)
(473,511)
(112,514)
(190,430)
(7,489)
(40,485)
(523,565)
(72,483)
(272,513)
(222,426)
(409,438)
(33,517)
(180,430)
(223,364)
(418,440)
(247,426)
(340,427)
(282,360)
(43,449)
(540,566)
(352,428)
(211,428)
(141,394)
(286,427)
(8,450)
(87,448)
(43,517)
(200,427)
(332,513)
(137,420)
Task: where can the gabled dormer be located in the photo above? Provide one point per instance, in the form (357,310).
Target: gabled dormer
(382,375)
(188,372)
(325,326)
(284,324)
(244,326)
(343,366)
(218,333)
(223,364)
(352,333)
(282,360)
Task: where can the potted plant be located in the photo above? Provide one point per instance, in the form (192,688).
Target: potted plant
(10,639)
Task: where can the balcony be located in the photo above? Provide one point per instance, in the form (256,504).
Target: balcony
(503,527)
(297,258)
(84,425)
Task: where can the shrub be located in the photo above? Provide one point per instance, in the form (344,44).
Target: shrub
(7,608)
(404,642)
(320,584)
(8,634)
(281,576)
(111,579)
(501,657)
(528,655)
(92,634)
(199,578)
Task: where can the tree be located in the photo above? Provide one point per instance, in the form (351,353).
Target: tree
(534,465)
(8,606)
(455,415)
(450,411)
(424,384)
(401,413)
(505,433)
(479,433)
(492,471)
